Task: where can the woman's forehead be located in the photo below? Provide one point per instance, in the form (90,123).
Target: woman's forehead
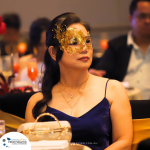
(79,27)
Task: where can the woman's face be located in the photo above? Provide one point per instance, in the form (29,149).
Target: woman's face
(79,42)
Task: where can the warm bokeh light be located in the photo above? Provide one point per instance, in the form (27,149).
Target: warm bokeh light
(22,48)
(103,44)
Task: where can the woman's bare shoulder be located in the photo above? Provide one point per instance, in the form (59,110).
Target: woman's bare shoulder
(98,79)
(102,81)
(116,91)
(115,85)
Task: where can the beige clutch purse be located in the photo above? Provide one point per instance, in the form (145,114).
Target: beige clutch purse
(52,130)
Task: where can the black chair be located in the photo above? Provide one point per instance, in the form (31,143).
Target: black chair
(12,109)
(144,145)
(141,122)
(140,109)
(15,103)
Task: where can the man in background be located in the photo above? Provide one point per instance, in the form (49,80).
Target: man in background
(128,56)
(13,24)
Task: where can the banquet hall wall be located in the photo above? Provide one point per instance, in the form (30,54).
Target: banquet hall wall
(107,18)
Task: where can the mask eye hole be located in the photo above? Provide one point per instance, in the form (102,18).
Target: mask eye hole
(88,40)
(73,41)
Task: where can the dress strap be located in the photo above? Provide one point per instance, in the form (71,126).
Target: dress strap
(106,88)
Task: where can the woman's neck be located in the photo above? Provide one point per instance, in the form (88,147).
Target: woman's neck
(73,78)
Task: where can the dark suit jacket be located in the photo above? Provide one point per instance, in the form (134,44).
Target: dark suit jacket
(116,58)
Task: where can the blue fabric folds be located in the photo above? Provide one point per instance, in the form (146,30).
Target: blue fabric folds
(92,129)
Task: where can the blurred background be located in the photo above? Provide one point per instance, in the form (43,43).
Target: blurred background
(108,18)
(21,63)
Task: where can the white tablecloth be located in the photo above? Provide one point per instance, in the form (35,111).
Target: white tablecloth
(71,147)
(134,94)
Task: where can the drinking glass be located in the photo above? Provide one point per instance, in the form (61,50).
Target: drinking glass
(32,70)
(16,64)
(6,66)
(2,128)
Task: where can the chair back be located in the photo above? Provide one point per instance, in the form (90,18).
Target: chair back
(141,121)
(12,109)
(144,145)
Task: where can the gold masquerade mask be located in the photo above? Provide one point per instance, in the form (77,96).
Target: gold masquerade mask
(72,41)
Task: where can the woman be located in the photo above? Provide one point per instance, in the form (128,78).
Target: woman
(37,45)
(94,106)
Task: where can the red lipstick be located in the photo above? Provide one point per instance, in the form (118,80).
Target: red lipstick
(84,58)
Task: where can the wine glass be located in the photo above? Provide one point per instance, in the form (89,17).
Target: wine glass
(16,64)
(2,128)
(32,70)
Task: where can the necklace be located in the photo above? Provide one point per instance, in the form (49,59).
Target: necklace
(72,95)
(69,100)
(75,86)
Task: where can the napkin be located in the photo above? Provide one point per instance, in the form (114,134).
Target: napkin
(127,86)
(55,144)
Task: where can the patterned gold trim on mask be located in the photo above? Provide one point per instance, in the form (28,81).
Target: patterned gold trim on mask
(72,41)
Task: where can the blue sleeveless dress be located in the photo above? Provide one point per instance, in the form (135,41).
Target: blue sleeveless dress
(93,128)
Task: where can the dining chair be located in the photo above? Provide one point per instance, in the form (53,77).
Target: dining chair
(141,121)
(144,145)
(12,109)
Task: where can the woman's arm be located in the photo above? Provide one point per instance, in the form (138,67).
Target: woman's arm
(120,111)
(31,103)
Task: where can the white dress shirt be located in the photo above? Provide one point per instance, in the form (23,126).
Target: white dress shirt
(138,71)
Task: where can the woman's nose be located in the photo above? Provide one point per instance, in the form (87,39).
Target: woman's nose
(84,50)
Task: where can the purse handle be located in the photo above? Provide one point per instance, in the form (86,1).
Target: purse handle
(46,114)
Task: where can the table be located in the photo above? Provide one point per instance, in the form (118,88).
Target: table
(72,147)
(134,93)
(77,147)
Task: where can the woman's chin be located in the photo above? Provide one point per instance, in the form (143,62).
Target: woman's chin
(86,67)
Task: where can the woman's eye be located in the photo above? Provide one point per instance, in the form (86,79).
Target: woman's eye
(88,41)
(73,42)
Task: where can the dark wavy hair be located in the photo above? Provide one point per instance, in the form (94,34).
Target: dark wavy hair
(52,71)
(37,27)
(12,20)
(133,5)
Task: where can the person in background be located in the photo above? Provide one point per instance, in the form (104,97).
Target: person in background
(37,45)
(128,56)
(13,24)
(97,108)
